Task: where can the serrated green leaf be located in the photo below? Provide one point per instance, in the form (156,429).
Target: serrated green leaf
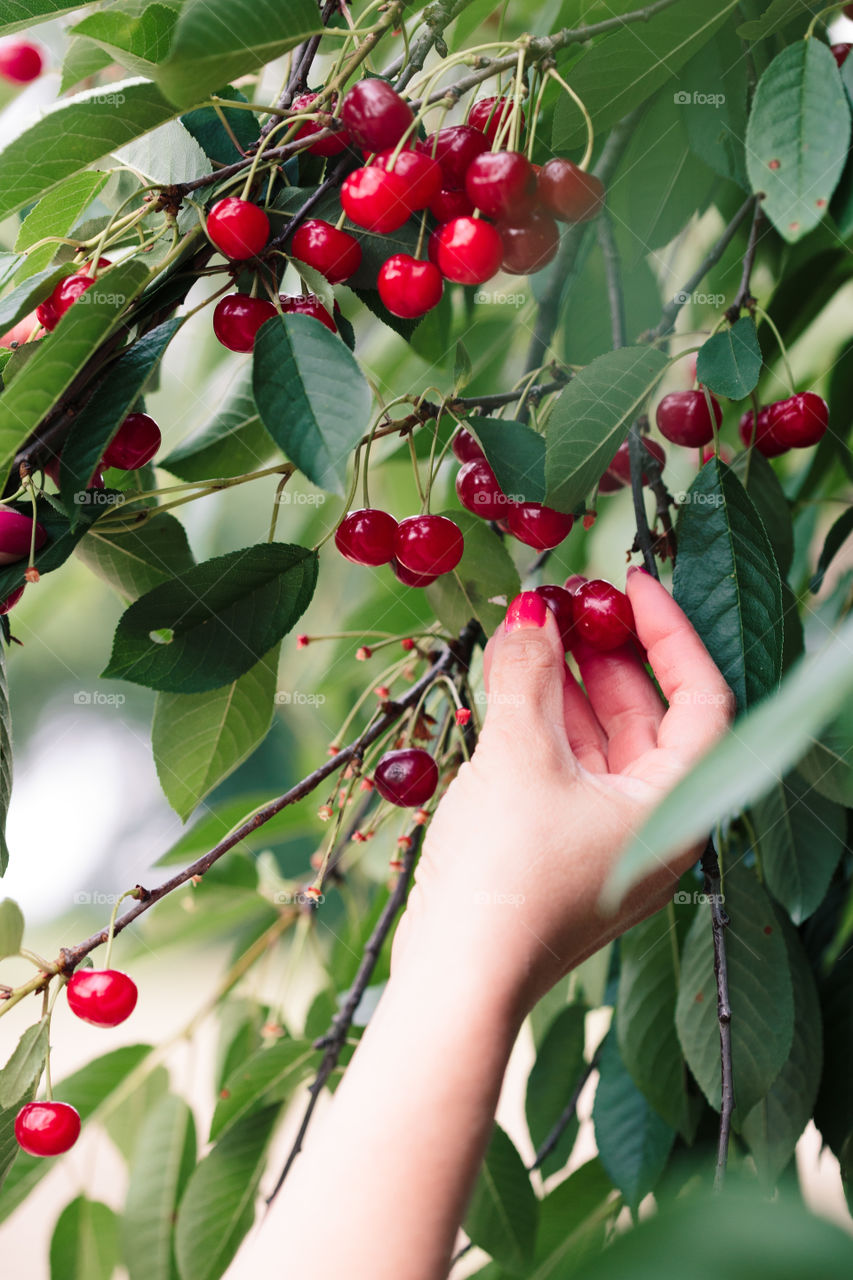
(205,125)
(481,585)
(159,1172)
(136,41)
(11,928)
(717,82)
(797,137)
(83,58)
(633,1141)
(763,487)
(167,155)
(503,1211)
(23,1070)
(552,1082)
(834,541)
(140,559)
(233,442)
(199,739)
(84,1245)
(760,995)
(215,620)
(312,397)
(268,1075)
(729,363)
(17,14)
(727,582)
(801,837)
(5,761)
(516,454)
(56,215)
(591,417)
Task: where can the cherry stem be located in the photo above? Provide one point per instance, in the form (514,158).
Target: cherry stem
(782,350)
(276,502)
(413,453)
(590,133)
(129,893)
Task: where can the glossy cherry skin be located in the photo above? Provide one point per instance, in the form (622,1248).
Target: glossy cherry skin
(488,114)
(501,184)
(15,535)
(20,62)
(134,444)
(559,601)
(421,173)
(466,250)
(429,544)
(306,304)
(603,615)
(407,777)
(50,312)
(237,319)
(454,148)
(450,204)
(538,526)
(238,228)
(11,600)
(683,418)
(367,536)
(465,447)
(103,997)
(618,473)
(479,492)
(376,199)
(409,286)
(569,193)
(764,438)
(47,1128)
(375,115)
(840,53)
(529,245)
(331,146)
(410,579)
(800,421)
(333,252)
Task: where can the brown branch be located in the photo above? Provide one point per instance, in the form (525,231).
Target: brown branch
(719,923)
(303,59)
(567,1114)
(743,297)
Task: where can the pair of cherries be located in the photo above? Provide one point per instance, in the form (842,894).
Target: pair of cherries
(797,422)
(419,549)
(478,490)
(50,312)
(238,316)
(590,610)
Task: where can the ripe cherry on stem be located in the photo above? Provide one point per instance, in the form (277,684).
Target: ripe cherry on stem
(465,447)
(429,544)
(375,114)
(66,293)
(238,317)
(466,250)
(501,184)
(134,444)
(530,245)
(407,777)
(479,492)
(757,430)
(618,473)
(376,199)
(455,148)
(16,535)
(367,536)
(488,114)
(569,193)
(331,146)
(307,304)
(331,251)
(409,286)
(47,1128)
(102,997)
(538,526)
(800,421)
(683,418)
(238,228)
(420,172)
(20,62)
(603,616)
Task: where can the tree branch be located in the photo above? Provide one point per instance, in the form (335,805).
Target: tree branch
(567,1115)
(300,67)
(434,18)
(743,297)
(719,922)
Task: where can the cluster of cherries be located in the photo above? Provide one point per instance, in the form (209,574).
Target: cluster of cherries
(479,492)
(798,422)
(419,549)
(20,61)
(104,998)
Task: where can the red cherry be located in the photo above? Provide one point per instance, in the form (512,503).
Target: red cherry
(529,245)
(367,536)
(538,526)
(559,601)
(11,600)
(422,175)
(450,204)
(410,579)
(66,293)
(569,193)
(103,997)
(429,544)
(467,250)
(603,615)
(15,535)
(331,146)
(307,304)
(840,52)
(618,473)
(409,286)
(465,447)
(478,490)
(20,62)
(407,777)
(765,440)
(51,468)
(237,319)
(376,199)
(134,444)
(488,114)
(454,148)
(800,421)
(334,253)
(47,1128)
(683,418)
(375,115)
(501,184)
(238,228)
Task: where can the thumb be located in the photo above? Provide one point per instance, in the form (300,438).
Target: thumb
(525,674)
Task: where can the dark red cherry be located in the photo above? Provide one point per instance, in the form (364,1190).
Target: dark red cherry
(16,531)
(375,115)
(603,615)
(454,148)
(559,601)
(410,579)
(238,228)
(47,1128)
(376,199)
(11,600)
(466,250)
(134,444)
(683,418)
(488,114)
(333,252)
(450,204)
(429,544)
(478,490)
(538,526)
(367,536)
(529,245)
(20,61)
(760,434)
(800,421)
(421,173)
(103,997)
(569,193)
(618,473)
(465,447)
(840,53)
(409,286)
(237,319)
(66,293)
(407,777)
(331,146)
(307,304)
(501,184)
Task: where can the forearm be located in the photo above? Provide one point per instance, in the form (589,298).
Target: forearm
(396,1156)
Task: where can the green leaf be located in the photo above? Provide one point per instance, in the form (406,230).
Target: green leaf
(727,582)
(835,539)
(232,443)
(797,137)
(760,994)
(776,16)
(633,1142)
(214,621)
(140,559)
(483,582)
(312,397)
(11,928)
(23,1070)
(716,81)
(84,1245)
(137,42)
(828,764)
(801,837)
(729,363)
(200,738)
(161,1167)
(127,1123)
(206,55)
(266,1076)
(502,1215)
(61,356)
(833,1111)
(207,128)
(167,155)
(17,14)
(56,215)
(516,454)
(90,125)
(552,1083)
(83,58)
(763,487)
(572,1222)
(5,766)
(218,1207)
(590,419)
(774,1125)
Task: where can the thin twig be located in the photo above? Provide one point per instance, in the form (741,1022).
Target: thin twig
(743,297)
(567,1114)
(435,18)
(303,58)
(719,922)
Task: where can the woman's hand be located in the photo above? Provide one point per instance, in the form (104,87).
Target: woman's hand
(522,843)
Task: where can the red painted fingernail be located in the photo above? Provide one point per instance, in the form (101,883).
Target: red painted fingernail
(637,568)
(526,610)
